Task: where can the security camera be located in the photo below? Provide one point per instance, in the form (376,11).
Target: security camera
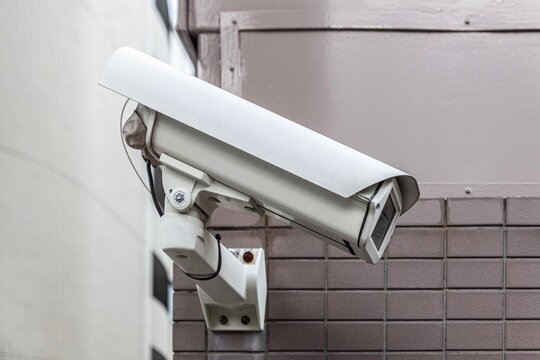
(217,149)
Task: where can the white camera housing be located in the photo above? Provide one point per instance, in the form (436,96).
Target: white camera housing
(305,179)
(291,172)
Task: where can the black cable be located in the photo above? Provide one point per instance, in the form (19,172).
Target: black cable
(218,269)
(160,212)
(152,189)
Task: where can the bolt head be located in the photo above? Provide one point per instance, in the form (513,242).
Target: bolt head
(248,257)
(223,320)
(245,319)
(179,197)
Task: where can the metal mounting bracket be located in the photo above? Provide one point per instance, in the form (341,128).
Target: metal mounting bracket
(235,299)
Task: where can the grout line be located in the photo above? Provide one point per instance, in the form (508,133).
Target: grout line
(325,349)
(385,327)
(504,283)
(445,291)
(244,228)
(433,227)
(445,277)
(445,214)
(266,246)
(379,321)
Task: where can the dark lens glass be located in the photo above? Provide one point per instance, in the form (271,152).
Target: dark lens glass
(383,223)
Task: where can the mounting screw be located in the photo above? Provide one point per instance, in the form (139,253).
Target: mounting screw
(223,320)
(468,191)
(234,21)
(245,319)
(248,257)
(467,22)
(179,197)
(231,69)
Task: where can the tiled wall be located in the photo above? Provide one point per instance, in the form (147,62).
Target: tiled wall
(461,280)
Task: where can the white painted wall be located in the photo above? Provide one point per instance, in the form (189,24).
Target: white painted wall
(72,220)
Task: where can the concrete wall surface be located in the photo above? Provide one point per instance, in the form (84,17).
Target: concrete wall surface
(445,90)
(73,264)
